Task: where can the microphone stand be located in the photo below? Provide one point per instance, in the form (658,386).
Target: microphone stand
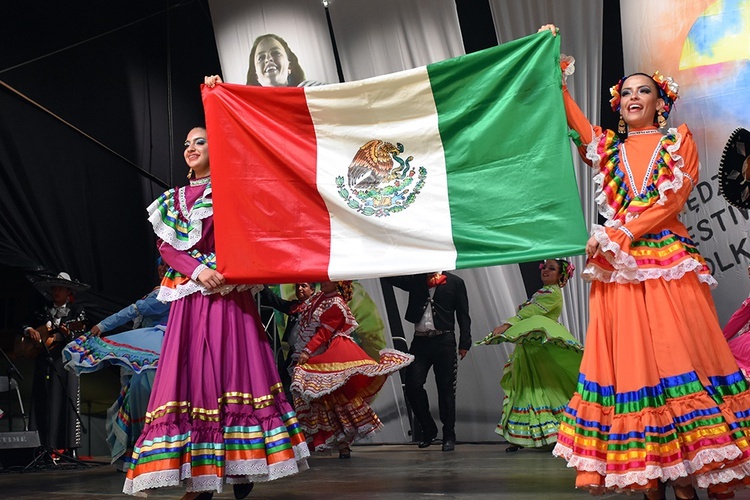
(48,452)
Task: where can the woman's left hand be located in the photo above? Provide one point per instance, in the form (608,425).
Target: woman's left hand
(303,358)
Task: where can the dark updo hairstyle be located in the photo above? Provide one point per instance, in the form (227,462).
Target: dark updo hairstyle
(346,289)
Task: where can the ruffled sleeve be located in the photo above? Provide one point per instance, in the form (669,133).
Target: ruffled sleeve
(173,223)
(582,131)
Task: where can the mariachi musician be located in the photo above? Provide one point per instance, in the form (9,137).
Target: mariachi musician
(55,392)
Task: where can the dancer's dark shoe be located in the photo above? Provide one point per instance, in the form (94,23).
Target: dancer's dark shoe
(427,442)
(241,490)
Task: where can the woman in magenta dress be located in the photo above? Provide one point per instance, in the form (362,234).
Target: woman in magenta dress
(217,411)
(735,332)
(335,381)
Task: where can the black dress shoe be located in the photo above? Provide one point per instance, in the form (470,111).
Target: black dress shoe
(241,490)
(449,445)
(426,442)
(206,495)
(513,448)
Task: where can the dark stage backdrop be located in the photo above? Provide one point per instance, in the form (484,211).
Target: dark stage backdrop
(125,73)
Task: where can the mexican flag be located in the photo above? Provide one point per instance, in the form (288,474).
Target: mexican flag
(458,164)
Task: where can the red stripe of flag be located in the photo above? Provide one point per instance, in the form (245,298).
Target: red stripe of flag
(263,156)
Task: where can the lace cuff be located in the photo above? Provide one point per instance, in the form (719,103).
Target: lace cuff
(568,67)
(197,271)
(612,250)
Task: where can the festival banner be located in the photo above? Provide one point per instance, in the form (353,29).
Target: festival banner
(439,167)
(705,46)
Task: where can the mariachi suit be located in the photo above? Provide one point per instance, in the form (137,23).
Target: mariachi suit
(449,303)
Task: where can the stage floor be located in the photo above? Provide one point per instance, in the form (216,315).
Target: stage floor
(373,472)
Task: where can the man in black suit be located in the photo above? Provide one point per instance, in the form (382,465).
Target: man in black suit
(436,302)
(55,391)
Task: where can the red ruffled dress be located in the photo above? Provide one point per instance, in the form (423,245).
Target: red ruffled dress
(334,389)
(659,395)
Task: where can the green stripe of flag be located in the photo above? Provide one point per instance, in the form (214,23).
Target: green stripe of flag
(508,157)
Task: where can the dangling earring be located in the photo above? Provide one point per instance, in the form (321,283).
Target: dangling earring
(662,119)
(190,173)
(621,126)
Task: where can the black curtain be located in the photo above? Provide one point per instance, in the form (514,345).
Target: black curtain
(125,76)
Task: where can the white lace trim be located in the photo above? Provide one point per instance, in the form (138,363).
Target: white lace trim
(570,69)
(237,471)
(685,469)
(627,270)
(190,287)
(311,386)
(195,218)
(197,271)
(622,261)
(674,185)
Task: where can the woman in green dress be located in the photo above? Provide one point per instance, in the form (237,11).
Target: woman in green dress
(542,372)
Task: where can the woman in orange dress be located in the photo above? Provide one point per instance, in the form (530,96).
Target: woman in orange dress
(659,396)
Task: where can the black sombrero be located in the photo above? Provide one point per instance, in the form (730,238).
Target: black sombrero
(734,170)
(45,282)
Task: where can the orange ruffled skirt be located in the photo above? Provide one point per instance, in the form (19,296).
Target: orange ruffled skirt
(659,396)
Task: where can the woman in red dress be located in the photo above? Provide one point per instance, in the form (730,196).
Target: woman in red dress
(335,381)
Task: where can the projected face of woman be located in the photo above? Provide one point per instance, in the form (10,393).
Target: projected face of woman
(271,63)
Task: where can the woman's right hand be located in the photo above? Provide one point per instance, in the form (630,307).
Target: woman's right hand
(95,331)
(211,81)
(211,279)
(303,358)
(592,247)
(549,27)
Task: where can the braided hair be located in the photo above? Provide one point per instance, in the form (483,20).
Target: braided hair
(346,289)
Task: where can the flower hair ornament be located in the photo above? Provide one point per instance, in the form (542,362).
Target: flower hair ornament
(566,271)
(668,90)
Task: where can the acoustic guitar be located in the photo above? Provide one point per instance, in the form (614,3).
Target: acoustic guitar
(51,336)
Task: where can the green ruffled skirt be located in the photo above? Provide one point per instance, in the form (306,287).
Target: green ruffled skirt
(538,380)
